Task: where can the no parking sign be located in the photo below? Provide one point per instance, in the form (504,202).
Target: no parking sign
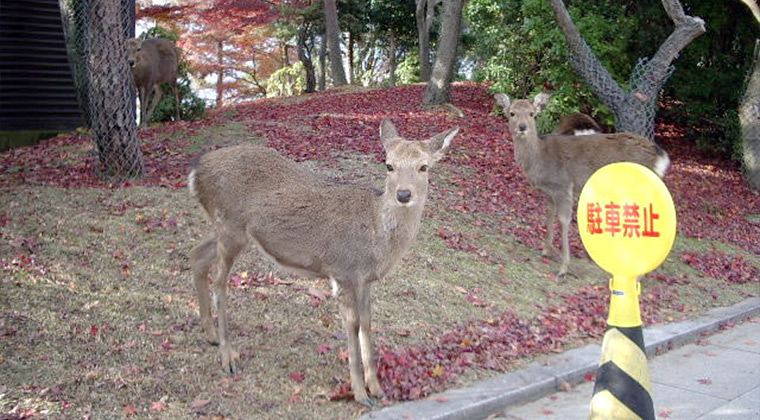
(627,223)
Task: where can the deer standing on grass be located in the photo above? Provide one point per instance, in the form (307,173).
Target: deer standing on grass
(153,61)
(351,234)
(559,165)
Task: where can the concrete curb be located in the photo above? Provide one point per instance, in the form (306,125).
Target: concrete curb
(540,379)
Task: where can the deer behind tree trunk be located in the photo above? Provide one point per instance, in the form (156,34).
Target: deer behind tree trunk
(153,61)
(350,234)
(559,165)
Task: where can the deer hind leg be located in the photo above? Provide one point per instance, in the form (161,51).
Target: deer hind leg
(551,215)
(365,342)
(227,247)
(201,259)
(347,302)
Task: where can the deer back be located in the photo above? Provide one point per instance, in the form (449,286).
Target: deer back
(576,158)
(311,225)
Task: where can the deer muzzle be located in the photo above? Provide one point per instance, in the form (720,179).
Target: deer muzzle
(403,196)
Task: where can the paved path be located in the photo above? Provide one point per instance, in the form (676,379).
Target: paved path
(711,378)
(718,377)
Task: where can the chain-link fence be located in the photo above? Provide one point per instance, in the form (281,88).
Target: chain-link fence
(635,108)
(96,31)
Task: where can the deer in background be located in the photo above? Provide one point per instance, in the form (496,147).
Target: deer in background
(153,61)
(351,234)
(559,165)
(577,124)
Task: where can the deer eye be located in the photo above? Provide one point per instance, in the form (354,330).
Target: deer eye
(531,114)
(423,168)
(511,114)
(389,167)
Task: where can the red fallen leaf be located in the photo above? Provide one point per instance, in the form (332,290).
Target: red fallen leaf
(750,342)
(94,330)
(665,413)
(441,399)
(704,381)
(547,412)
(589,377)
(297,377)
(343,356)
(129,410)
(294,400)
(324,349)
(157,406)
(408,416)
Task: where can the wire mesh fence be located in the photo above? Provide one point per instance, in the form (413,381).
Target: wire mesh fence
(95,32)
(634,108)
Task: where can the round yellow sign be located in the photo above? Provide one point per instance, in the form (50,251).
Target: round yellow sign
(626,219)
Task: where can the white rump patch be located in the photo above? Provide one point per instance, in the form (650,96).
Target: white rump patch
(661,165)
(335,287)
(586,132)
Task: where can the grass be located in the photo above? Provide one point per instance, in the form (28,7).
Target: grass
(98,317)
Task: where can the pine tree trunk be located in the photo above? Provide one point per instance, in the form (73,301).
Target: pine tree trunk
(305,57)
(219,75)
(392,60)
(438,89)
(110,92)
(425,13)
(749,118)
(333,43)
(321,81)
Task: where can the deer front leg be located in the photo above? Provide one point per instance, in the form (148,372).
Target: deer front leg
(156,94)
(551,215)
(201,259)
(565,211)
(227,249)
(347,301)
(365,341)
(144,97)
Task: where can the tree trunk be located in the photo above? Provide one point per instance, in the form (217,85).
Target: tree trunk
(392,59)
(333,43)
(322,64)
(219,74)
(110,93)
(438,89)
(305,56)
(425,14)
(749,118)
(351,58)
(634,110)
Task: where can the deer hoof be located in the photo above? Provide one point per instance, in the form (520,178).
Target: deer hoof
(375,390)
(367,402)
(229,360)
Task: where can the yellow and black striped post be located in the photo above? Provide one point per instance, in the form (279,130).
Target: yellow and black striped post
(623,389)
(627,222)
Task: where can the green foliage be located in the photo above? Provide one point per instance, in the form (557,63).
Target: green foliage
(408,70)
(522,49)
(287,81)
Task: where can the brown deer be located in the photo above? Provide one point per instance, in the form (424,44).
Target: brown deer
(153,61)
(559,165)
(351,234)
(577,124)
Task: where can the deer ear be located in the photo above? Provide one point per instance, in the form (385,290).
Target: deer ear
(541,101)
(438,144)
(503,101)
(388,133)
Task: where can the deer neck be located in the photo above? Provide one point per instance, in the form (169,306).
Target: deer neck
(526,149)
(398,227)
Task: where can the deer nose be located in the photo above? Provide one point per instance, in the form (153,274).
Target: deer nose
(131,63)
(403,196)
(522,126)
